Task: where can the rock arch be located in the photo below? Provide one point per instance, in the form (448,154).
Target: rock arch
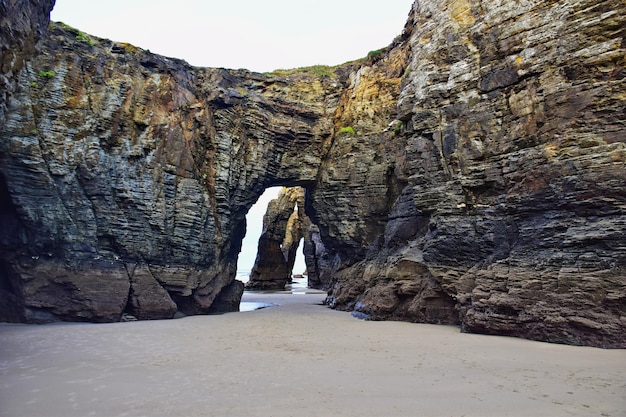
(461,175)
(285,225)
(282,231)
(143,169)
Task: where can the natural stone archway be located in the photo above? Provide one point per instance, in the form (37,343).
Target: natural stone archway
(285,224)
(273,265)
(142,169)
(472,172)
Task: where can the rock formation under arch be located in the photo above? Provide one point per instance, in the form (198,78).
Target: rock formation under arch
(282,231)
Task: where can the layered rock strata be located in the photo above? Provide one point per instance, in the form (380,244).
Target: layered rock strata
(472,172)
(22,23)
(129,175)
(512,220)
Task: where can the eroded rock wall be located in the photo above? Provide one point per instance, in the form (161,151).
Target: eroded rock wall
(130,175)
(472,172)
(513,218)
(22,24)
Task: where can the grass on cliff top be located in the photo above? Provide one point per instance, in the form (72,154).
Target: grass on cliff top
(314,70)
(81,36)
(327,70)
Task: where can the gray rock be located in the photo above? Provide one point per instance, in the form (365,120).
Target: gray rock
(472,173)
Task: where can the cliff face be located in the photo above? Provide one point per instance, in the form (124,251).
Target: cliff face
(22,23)
(473,172)
(513,217)
(130,174)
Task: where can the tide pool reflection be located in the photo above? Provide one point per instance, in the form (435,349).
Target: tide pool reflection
(254,305)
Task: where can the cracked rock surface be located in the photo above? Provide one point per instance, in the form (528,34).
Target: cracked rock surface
(471,173)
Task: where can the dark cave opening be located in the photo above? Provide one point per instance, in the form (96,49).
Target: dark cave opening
(10,238)
(10,223)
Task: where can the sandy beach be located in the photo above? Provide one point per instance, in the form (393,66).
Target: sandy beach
(297,358)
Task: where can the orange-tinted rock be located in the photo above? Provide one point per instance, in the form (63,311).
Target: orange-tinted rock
(472,172)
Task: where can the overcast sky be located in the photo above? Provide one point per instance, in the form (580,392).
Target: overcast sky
(259,35)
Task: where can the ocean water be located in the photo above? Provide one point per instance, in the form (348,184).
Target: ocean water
(243,276)
(299,284)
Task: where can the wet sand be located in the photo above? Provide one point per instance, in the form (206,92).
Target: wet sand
(297,358)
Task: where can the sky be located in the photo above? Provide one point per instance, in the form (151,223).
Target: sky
(259,35)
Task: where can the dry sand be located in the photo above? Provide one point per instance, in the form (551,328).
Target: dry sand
(297,359)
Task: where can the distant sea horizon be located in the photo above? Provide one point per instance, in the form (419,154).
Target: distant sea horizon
(243,276)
